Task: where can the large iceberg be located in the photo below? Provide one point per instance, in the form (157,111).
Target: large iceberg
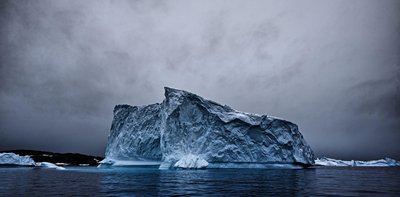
(324,161)
(14,159)
(188,131)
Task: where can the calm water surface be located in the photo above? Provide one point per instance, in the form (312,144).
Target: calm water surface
(91,181)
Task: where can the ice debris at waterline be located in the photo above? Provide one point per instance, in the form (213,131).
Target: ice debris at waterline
(15,160)
(374,163)
(191,161)
(188,131)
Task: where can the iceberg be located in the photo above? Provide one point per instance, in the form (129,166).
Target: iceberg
(188,131)
(386,162)
(15,160)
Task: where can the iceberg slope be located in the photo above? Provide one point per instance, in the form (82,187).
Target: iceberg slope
(188,131)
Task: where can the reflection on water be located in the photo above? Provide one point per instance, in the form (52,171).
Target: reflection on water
(224,182)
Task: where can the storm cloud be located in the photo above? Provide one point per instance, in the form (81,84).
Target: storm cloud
(332,67)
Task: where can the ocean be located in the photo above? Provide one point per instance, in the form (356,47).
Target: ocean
(92,181)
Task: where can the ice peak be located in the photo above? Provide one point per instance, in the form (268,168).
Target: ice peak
(122,107)
(175,97)
(172,92)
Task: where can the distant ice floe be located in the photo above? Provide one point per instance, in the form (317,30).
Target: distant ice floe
(386,162)
(14,159)
(17,160)
(49,165)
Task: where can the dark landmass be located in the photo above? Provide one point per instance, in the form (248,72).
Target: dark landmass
(62,159)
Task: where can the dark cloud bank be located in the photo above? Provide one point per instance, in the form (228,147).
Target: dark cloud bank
(332,67)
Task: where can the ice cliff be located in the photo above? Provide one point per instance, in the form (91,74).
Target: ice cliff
(374,163)
(188,131)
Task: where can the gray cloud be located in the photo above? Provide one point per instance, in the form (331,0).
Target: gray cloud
(330,66)
(381,96)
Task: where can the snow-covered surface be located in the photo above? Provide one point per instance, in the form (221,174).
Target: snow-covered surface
(14,159)
(49,165)
(185,123)
(374,163)
(191,161)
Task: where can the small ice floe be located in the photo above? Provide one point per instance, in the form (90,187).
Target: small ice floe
(49,165)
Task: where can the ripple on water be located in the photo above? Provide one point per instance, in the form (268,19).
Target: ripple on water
(223,182)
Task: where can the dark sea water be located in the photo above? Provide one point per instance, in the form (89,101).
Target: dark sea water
(91,181)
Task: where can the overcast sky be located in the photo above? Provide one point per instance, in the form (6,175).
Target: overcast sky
(332,67)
